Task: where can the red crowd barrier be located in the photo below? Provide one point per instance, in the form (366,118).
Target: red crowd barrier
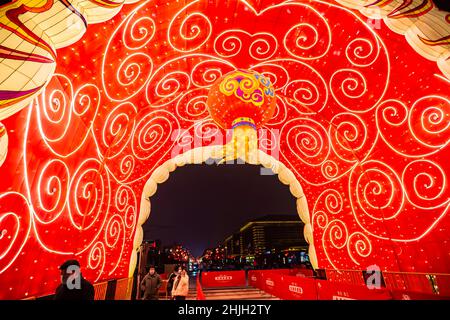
(407,282)
(418,285)
(283,285)
(443,283)
(301,273)
(346,276)
(297,288)
(288,287)
(223,279)
(294,272)
(271,282)
(328,290)
(255,278)
(294,288)
(410,295)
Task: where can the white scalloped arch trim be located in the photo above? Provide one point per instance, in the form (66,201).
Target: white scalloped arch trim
(200,155)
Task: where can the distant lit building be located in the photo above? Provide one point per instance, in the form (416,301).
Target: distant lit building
(268,233)
(232,245)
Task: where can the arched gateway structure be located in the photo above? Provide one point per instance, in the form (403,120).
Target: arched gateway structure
(99,100)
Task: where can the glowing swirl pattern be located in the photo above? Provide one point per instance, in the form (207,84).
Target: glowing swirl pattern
(359,245)
(425,184)
(117,128)
(425,125)
(308,140)
(331,201)
(261,46)
(135,66)
(194,28)
(51,200)
(350,137)
(378,190)
(247,87)
(96,260)
(309,40)
(151,131)
(14,227)
(61,109)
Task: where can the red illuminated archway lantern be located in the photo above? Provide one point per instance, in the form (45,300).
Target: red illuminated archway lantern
(361,120)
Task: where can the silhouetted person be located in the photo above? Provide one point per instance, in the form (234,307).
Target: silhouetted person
(73,286)
(151,284)
(170,281)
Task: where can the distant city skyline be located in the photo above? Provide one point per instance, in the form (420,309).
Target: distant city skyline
(200,205)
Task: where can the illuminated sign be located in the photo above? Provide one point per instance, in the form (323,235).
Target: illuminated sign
(223,278)
(295,289)
(270,283)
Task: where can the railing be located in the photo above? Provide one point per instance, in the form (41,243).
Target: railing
(123,289)
(100,290)
(345,276)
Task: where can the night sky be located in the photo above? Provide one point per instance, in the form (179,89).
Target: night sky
(200,205)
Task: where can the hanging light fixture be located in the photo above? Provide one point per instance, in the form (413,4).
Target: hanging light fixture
(242,101)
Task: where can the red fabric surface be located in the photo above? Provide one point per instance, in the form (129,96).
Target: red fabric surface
(280,284)
(301,272)
(200,294)
(410,295)
(283,286)
(408,282)
(296,288)
(350,277)
(223,279)
(361,121)
(328,290)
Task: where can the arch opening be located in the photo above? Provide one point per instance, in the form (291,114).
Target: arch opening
(201,155)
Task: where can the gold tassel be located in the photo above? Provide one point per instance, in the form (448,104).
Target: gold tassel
(243,145)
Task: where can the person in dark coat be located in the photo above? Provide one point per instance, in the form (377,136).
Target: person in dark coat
(151,284)
(173,275)
(73,285)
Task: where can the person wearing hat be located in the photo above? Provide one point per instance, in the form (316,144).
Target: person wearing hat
(73,286)
(151,284)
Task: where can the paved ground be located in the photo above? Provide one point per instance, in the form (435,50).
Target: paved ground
(232,293)
(237,293)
